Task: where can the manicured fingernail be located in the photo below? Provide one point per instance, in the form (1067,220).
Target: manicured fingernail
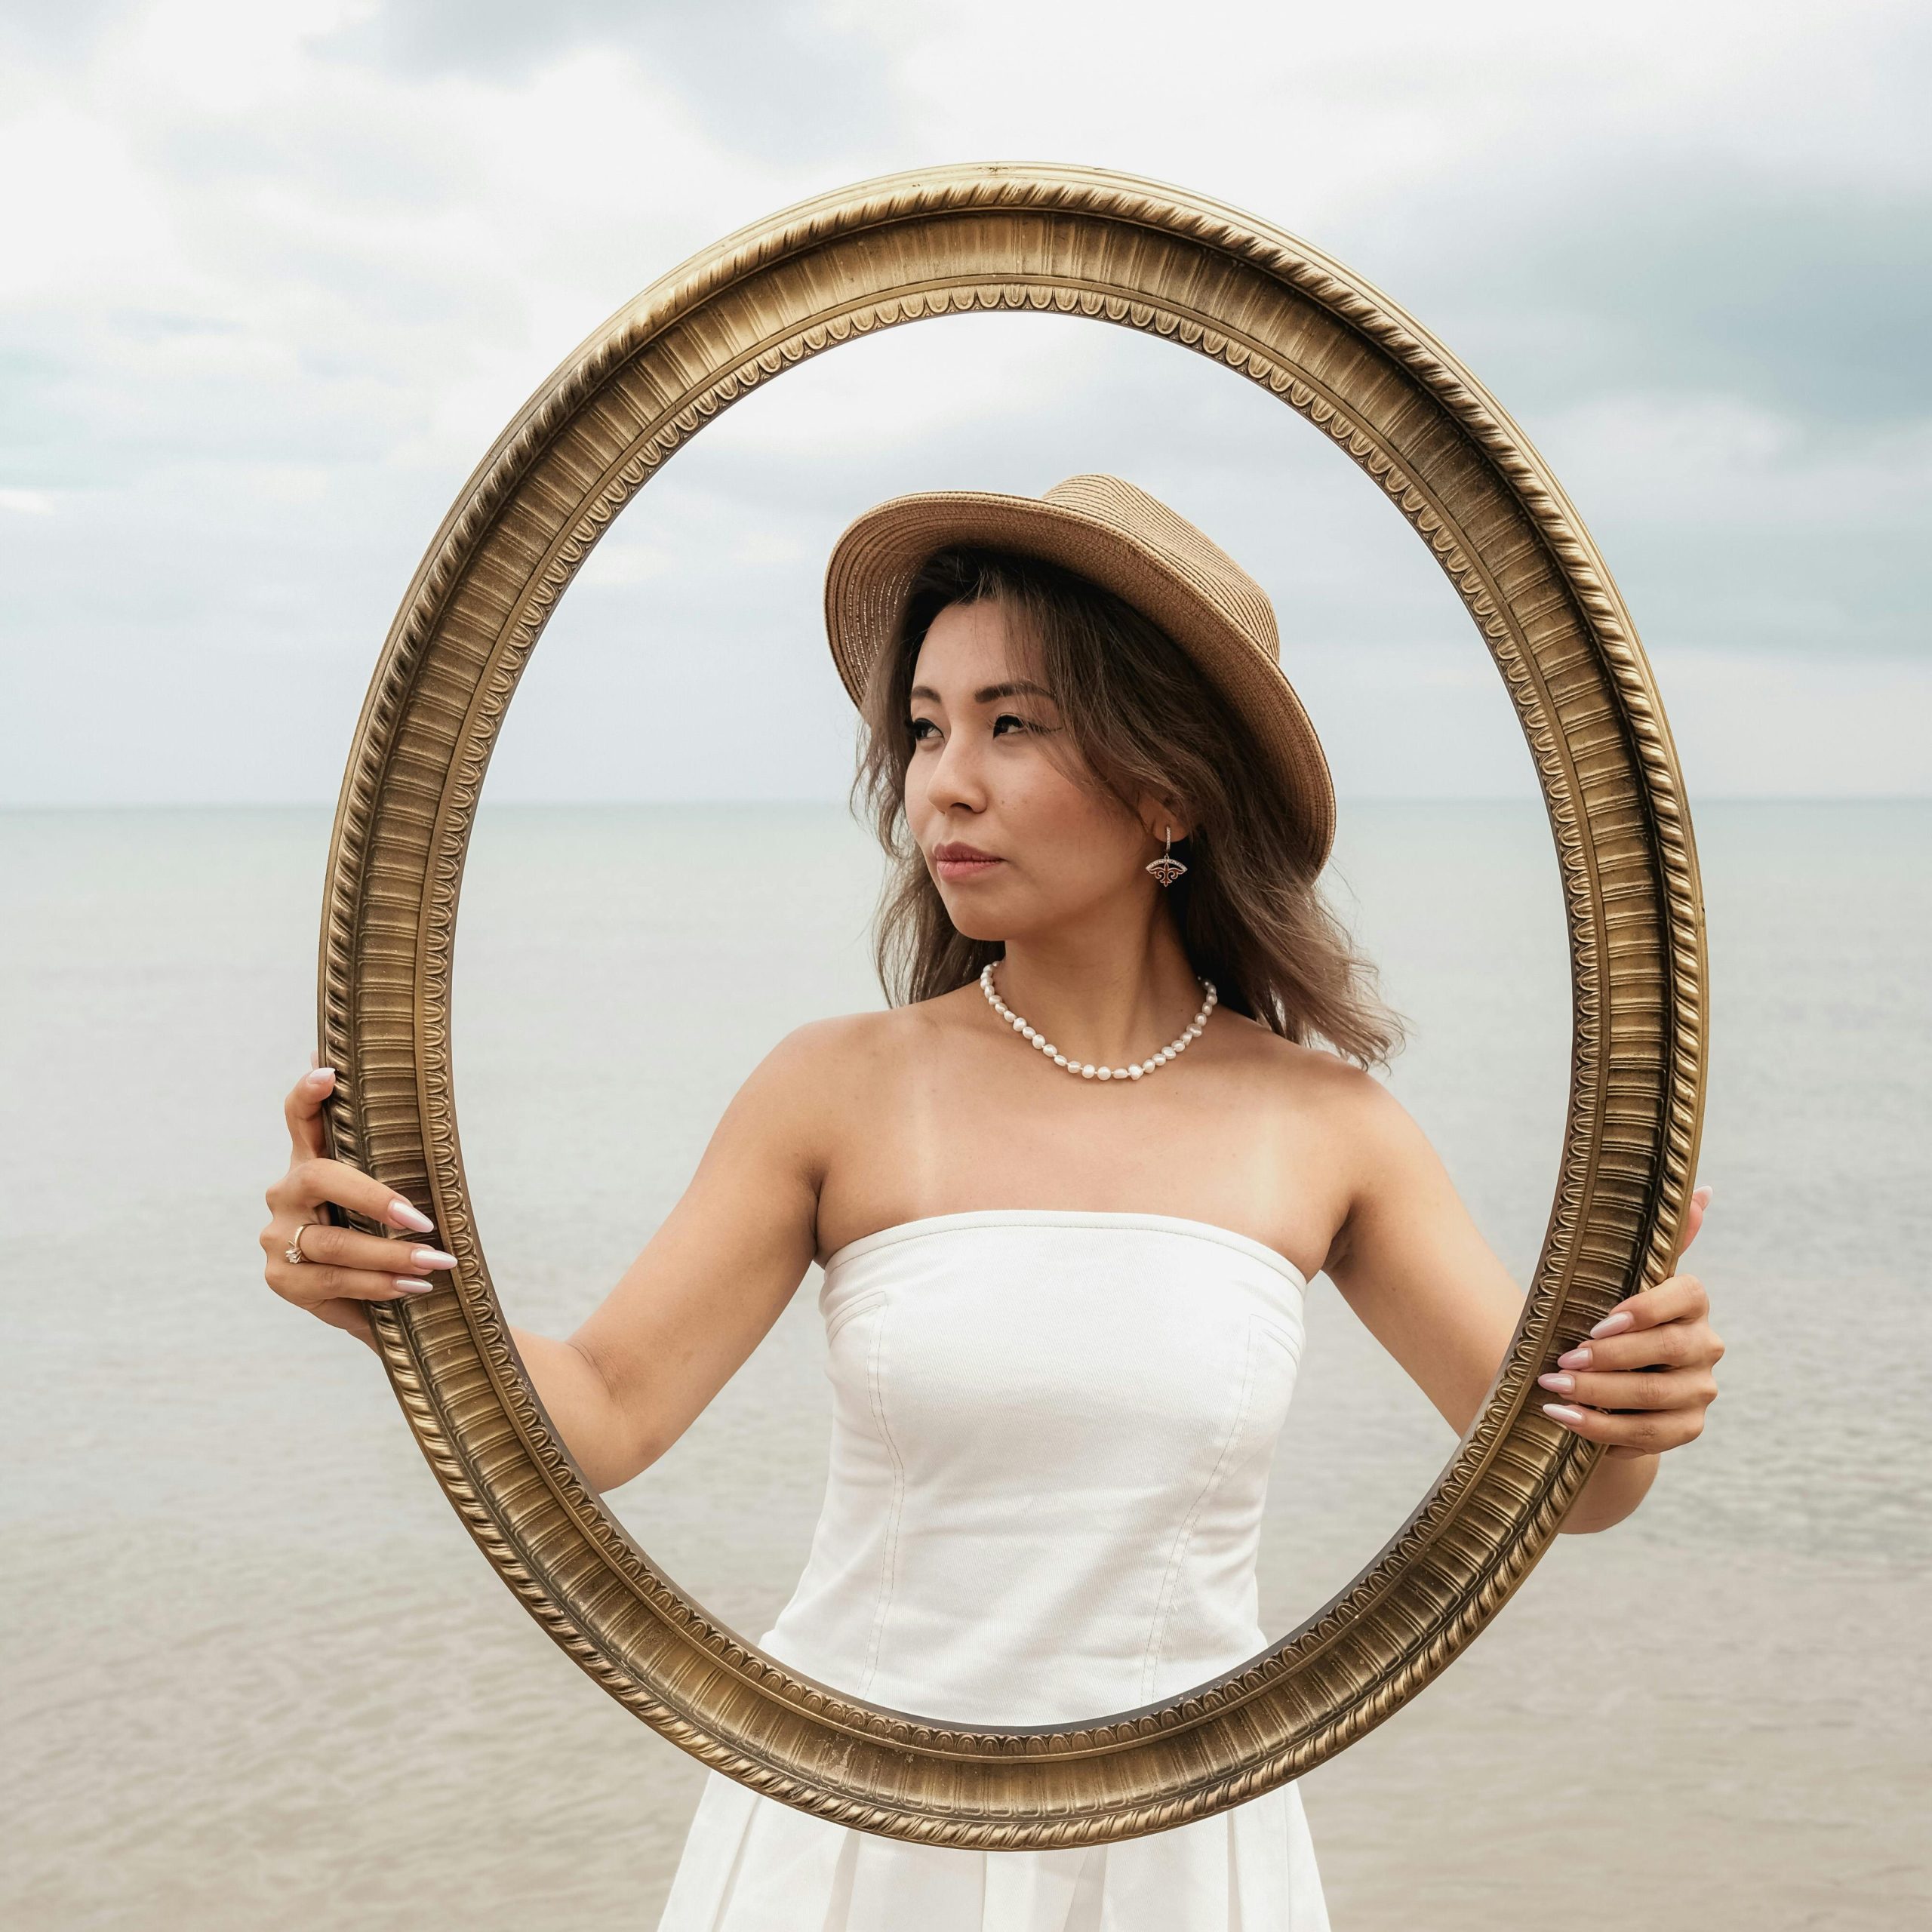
(321,1075)
(1561,1412)
(1577,1357)
(434,1257)
(1613,1324)
(413,1287)
(404,1216)
(1702,1194)
(1560,1385)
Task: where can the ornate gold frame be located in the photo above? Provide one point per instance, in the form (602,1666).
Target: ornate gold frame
(1081,242)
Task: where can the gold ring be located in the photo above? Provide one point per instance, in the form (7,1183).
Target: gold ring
(294,1250)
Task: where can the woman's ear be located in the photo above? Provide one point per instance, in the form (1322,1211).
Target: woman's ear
(1158,813)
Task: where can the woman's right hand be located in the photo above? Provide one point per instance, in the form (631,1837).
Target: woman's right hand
(341,1270)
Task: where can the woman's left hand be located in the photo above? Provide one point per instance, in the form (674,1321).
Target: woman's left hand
(1642,1380)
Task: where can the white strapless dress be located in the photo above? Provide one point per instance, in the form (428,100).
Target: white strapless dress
(1051,1437)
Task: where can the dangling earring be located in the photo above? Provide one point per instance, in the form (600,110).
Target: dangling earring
(1166,868)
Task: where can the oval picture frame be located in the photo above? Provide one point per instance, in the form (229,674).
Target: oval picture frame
(1078,242)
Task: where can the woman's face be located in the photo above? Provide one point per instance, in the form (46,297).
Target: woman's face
(981,779)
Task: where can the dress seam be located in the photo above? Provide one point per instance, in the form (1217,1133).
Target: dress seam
(889,1563)
(1163,1610)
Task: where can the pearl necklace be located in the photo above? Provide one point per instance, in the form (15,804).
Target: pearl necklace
(1039,1040)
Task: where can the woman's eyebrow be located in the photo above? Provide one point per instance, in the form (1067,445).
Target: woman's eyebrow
(987,693)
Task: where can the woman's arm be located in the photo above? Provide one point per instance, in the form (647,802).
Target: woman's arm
(714,1278)
(1413,1265)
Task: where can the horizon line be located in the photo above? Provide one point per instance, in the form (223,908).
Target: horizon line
(817,799)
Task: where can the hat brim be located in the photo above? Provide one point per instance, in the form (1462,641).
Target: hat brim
(875,562)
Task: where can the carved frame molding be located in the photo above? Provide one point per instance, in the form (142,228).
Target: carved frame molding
(1138,254)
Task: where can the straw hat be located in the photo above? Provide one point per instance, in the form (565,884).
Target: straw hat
(1124,540)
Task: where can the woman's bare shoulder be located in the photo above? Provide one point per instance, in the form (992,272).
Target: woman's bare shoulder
(1344,1096)
(830,1078)
(848,1054)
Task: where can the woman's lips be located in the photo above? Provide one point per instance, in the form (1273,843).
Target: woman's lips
(963,868)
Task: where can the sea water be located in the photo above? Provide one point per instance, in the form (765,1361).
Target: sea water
(255,1672)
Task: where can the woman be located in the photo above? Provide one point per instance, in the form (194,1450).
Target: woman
(1068,1192)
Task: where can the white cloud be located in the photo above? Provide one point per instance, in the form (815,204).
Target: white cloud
(278,275)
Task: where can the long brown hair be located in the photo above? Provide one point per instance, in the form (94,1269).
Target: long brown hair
(1142,718)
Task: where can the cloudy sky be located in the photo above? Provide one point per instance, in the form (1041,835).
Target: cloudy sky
(276,275)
